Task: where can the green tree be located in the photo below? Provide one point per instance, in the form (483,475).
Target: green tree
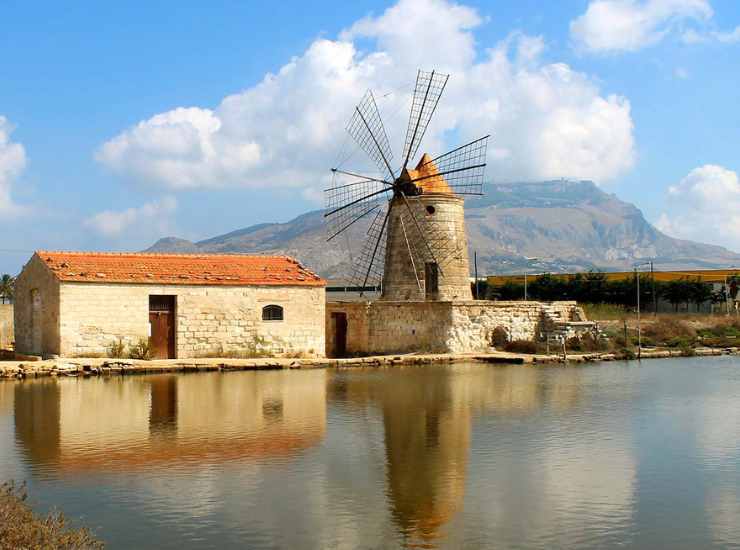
(677,291)
(700,292)
(508,291)
(595,287)
(732,281)
(7,287)
(546,287)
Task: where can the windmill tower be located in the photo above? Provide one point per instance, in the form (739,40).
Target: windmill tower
(416,244)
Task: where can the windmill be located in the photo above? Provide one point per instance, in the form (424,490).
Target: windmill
(415,241)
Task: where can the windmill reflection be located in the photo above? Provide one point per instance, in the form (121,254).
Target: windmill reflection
(427,451)
(167,421)
(427,417)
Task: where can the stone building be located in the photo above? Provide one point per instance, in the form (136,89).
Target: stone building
(83,303)
(6,326)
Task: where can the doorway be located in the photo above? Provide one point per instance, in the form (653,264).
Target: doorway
(431,280)
(162,326)
(37,337)
(339,322)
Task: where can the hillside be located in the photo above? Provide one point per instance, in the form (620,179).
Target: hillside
(567,225)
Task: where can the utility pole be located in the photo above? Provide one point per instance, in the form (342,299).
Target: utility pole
(532,259)
(639,340)
(637,278)
(525,288)
(655,296)
(475,262)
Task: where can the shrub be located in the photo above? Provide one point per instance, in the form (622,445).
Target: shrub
(665,330)
(679,342)
(521,346)
(140,350)
(586,342)
(21,528)
(500,337)
(117,350)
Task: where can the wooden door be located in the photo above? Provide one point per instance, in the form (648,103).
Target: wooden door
(162,327)
(340,333)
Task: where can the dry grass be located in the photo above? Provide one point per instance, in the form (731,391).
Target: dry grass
(605,312)
(21,528)
(664,330)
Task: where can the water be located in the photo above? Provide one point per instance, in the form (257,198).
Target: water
(471,456)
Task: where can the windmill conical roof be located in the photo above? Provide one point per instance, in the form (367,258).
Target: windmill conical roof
(432,183)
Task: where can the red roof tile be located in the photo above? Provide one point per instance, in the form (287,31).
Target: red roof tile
(179,269)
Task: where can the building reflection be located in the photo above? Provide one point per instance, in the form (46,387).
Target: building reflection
(103,424)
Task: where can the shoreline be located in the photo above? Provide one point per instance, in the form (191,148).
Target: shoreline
(20,370)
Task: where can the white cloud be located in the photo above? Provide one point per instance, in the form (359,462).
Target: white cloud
(629,25)
(730,37)
(154,215)
(705,206)
(182,147)
(12,163)
(547,120)
(681,73)
(693,36)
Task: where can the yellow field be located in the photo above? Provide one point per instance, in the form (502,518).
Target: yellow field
(706,275)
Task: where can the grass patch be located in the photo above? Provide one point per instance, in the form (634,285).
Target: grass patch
(605,312)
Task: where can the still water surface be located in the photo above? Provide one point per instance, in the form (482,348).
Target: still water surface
(471,456)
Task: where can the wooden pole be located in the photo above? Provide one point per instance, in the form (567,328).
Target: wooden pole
(475,263)
(639,343)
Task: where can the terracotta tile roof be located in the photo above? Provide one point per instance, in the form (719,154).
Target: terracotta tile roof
(432,182)
(178,269)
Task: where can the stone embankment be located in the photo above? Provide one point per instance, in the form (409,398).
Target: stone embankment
(107,367)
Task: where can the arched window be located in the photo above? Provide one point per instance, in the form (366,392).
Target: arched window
(272,313)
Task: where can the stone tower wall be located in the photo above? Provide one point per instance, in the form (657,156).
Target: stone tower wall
(441,219)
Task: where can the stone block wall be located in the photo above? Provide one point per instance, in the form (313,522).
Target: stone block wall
(36,310)
(210,320)
(6,326)
(442,327)
(473,323)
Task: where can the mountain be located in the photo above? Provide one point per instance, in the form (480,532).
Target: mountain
(565,225)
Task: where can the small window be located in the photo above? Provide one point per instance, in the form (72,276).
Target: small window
(272,313)
(430,210)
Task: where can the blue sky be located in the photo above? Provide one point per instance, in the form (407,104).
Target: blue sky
(115,130)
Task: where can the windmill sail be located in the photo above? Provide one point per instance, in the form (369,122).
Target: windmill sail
(462,168)
(348,203)
(428,90)
(368,270)
(366,128)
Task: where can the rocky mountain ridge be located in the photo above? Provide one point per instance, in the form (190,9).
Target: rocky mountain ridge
(564,225)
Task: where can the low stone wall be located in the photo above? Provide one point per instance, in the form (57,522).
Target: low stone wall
(6,326)
(438,327)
